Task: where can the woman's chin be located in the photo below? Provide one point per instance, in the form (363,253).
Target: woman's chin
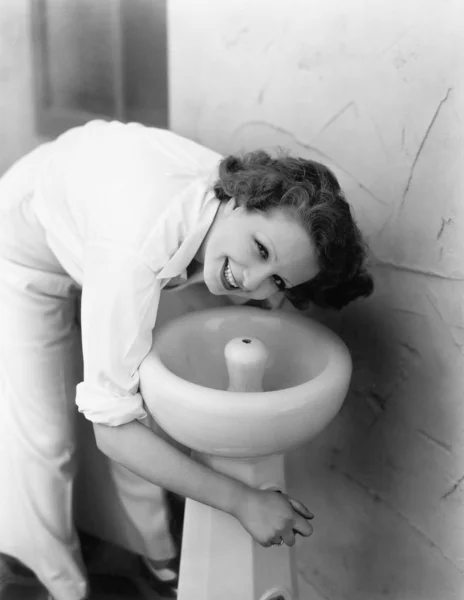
(214,287)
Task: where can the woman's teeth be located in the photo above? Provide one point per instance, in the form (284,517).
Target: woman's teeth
(229,277)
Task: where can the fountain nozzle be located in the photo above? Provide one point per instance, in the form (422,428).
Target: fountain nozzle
(246,360)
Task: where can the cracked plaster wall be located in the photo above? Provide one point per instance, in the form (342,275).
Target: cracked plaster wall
(375,91)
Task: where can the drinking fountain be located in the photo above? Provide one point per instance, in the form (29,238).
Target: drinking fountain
(241,386)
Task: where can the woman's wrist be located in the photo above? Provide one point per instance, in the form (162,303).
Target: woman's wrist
(238,497)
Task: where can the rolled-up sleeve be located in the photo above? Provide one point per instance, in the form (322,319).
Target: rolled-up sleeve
(120,299)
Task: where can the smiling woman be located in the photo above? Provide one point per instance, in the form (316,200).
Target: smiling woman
(121,212)
(284,225)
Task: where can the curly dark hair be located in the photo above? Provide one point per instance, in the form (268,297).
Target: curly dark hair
(261,183)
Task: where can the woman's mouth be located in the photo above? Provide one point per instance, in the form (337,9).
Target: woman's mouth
(227,277)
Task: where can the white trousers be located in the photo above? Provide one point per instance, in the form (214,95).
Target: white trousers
(51,473)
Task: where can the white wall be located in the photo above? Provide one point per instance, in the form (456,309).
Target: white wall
(374,89)
(16,109)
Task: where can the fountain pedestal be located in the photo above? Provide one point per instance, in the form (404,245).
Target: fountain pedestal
(220,559)
(185,384)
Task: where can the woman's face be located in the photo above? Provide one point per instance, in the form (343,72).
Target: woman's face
(254,255)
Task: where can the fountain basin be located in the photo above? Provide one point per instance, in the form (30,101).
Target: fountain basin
(184,382)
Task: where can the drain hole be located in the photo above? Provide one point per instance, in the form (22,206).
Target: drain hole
(246,341)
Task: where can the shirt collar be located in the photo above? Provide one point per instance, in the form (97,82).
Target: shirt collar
(196,229)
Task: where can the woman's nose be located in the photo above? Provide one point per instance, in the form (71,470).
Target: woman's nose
(254,278)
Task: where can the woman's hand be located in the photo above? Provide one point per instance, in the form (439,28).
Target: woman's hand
(270,516)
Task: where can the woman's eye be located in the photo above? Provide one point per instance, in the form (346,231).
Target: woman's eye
(262,250)
(279,283)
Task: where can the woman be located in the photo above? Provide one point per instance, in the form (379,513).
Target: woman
(121,212)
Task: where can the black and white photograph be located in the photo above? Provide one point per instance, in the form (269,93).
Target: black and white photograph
(231,300)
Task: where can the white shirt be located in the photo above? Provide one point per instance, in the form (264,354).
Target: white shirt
(125,209)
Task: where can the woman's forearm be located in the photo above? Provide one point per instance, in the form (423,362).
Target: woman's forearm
(144,453)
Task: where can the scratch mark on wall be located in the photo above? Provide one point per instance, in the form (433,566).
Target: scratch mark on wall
(403,136)
(409,269)
(380,394)
(336,116)
(360,185)
(395,41)
(449,328)
(438,313)
(261,93)
(310,148)
(380,137)
(376,401)
(376,497)
(422,145)
(399,62)
(394,215)
(453,488)
(434,440)
(370,491)
(411,349)
(234,40)
(444,222)
(268,46)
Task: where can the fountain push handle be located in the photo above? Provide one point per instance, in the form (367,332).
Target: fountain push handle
(246,360)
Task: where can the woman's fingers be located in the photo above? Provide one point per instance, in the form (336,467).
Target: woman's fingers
(298,506)
(302,526)
(289,537)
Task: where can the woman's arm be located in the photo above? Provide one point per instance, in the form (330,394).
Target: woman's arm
(140,450)
(267,516)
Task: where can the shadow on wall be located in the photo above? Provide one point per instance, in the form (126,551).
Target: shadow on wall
(373,477)
(379,364)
